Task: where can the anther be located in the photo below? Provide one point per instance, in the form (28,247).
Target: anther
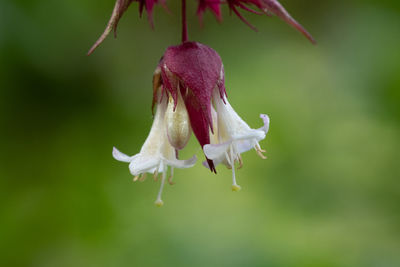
(170,181)
(260,152)
(240,162)
(144,176)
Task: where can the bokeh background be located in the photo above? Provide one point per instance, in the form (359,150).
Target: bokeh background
(328,194)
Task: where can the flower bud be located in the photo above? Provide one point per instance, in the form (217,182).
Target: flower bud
(177,123)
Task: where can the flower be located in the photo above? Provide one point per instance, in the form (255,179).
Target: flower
(157,153)
(189,95)
(234,137)
(195,73)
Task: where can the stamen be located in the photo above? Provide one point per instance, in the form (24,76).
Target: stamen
(259,148)
(158,201)
(260,151)
(144,176)
(136,178)
(240,161)
(155,175)
(228,158)
(235,186)
(171,176)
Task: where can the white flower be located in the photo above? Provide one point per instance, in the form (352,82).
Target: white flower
(157,154)
(232,136)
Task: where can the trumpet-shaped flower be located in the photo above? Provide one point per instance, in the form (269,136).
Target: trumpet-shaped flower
(157,154)
(233,137)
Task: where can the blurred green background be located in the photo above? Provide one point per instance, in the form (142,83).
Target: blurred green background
(328,194)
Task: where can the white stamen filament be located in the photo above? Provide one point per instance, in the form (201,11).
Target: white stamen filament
(260,151)
(172,176)
(159,201)
(235,186)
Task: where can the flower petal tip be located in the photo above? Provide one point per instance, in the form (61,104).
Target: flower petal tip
(266,121)
(236,188)
(118,155)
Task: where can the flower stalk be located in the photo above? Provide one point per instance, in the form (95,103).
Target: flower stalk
(184,22)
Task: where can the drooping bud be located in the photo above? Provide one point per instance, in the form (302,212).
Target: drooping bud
(177,123)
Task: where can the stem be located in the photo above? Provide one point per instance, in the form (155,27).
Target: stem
(184,23)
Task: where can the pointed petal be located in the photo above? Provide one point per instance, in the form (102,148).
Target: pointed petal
(265,119)
(118,155)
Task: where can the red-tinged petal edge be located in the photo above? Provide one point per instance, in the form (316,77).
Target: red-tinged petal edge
(194,69)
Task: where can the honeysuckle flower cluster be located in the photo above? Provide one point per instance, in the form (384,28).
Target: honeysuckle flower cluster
(189,96)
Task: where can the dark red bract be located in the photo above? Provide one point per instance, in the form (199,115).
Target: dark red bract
(119,9)
(268,7)
(196,70)
(213,5)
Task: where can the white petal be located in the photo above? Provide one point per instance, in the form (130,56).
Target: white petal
(265,119)
(118,155)
(217,150)
(250,134)
(216,161)
(142,164)
(176,163)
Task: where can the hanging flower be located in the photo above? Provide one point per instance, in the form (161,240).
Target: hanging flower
(189,95)
(194,73)
(157,153)
(233,137)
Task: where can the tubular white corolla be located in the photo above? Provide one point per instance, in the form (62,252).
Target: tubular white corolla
(156,154)
(234,137)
